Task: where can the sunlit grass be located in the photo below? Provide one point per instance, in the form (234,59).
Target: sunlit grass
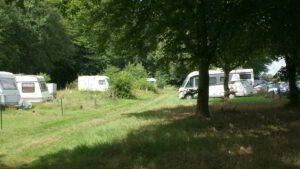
(152,131)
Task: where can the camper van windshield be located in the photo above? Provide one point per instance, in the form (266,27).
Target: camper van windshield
(8,84)
(184,82)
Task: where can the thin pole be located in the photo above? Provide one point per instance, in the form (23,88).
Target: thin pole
(62,108)
(1,113)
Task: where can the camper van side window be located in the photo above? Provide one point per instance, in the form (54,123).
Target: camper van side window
(101,82)
(222,78)
(28,88)
(245,76)
(212,81)
(196,81)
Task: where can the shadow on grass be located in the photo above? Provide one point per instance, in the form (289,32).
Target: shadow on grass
(4,166)
(183,141)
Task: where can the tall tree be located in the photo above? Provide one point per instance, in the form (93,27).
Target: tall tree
(135,28)
(237,49)
(284,36)
(33,37)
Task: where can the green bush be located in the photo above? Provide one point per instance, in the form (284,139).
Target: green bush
(136,70)
(111,71)
(161,79)
(122,85)
(142,84)
(73,85)
(46,76)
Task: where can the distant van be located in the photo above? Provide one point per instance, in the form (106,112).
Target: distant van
(9,94)
(93,83)
(241,83)
(32,88)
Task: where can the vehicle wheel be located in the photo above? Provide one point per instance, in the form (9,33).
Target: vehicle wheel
(231,96)
(189,97)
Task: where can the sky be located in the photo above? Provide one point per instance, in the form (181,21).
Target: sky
(275,66)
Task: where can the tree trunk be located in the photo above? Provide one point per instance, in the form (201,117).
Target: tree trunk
(291,73)
(203,89)
(226,82)
(203,59)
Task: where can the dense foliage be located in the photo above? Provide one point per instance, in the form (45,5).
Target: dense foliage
(169,39)
(123,82)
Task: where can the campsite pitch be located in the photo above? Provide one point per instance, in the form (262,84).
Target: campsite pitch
(152,131)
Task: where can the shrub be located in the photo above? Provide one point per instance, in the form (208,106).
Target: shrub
(73,85)
(46,76)
(111,71)
(136,70)
(161,79)
(142,84)
(122,85)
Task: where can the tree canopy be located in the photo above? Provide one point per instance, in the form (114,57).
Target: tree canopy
(67,38)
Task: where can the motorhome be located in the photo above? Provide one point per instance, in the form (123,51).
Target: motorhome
(9,93)
(240,83)
(93,83)
(32,88)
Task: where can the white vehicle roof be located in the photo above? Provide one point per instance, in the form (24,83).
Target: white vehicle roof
(151,79)
(219,71)
(6,75)
(29,78)
(93,77)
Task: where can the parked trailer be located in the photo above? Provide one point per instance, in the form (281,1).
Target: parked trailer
(9,93)
(52,89)
(93,83)
(32,88)
(240,83)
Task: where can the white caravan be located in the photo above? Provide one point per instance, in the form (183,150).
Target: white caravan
(9,93)
(151,80)
(93,83)
(240,83)
(32,88)
(52,89)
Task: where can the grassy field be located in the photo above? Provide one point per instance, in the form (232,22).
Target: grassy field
(152,131)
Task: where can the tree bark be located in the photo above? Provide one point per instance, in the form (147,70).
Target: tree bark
(291,73)
(203,58)
(226,82)
(203,89)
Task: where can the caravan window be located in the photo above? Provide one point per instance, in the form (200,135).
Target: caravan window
(245,76)
(8,84)
(212,81)
(43,86)
(102,82)
(222,78)
(28,87)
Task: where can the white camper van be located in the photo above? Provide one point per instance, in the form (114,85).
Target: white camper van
(93,83)
(32,88)
(240,83)
(9,93)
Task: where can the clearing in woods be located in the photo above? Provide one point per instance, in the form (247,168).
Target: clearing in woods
(152,131)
